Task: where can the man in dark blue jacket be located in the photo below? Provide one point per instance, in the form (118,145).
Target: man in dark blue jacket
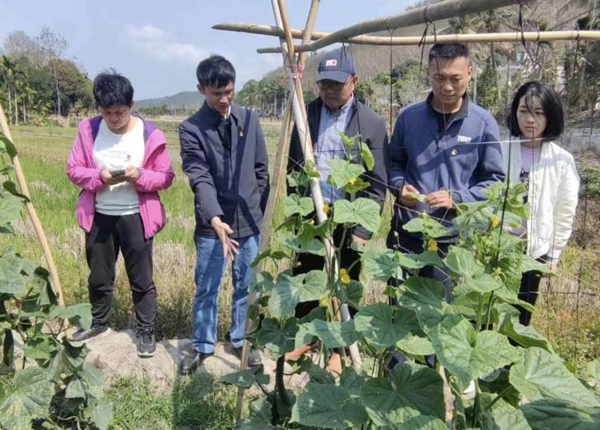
(224,155)
(443,151)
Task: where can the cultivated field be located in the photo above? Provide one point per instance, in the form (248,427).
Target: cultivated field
(568,311)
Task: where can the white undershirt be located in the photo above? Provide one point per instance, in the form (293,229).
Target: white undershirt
(118,151)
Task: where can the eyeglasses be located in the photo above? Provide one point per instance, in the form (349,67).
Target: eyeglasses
(331,85)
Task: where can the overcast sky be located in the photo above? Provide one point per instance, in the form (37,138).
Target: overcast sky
(157,44)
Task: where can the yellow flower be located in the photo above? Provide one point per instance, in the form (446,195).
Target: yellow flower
(432,245)
(495,221)
(324,302)
(352,181)
(344,277)
(326,208)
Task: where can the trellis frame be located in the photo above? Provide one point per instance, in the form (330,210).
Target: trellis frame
(357,34)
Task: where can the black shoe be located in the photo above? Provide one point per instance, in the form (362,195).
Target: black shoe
(254,359)
(191,362)
(146,344)
(82,334)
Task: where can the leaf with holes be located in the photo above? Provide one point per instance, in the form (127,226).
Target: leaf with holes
(30,399)
(291,290)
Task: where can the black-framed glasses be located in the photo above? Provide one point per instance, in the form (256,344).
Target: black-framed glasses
(331,85)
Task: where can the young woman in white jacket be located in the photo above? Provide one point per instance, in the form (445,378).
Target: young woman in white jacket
(550,175)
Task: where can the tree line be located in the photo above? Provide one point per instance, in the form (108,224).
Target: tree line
(37,79)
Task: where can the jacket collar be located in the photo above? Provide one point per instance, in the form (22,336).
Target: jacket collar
(213,117)
(463,112)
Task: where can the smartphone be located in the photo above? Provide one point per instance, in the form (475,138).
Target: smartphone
(118,172)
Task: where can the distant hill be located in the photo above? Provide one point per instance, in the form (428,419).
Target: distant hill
(183,100)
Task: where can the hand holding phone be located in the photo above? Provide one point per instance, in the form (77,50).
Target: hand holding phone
(117,172)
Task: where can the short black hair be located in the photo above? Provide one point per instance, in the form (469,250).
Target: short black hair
(448,51)
(112,89)
(553,109)
(215,71)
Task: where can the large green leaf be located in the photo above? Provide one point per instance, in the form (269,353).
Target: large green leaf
(559,414)
(469,354)
(312,246)
(328,406)
(79,313)
(380,264)
(333,334)
(411,390)
(291,290)
(463,263)
(11,280)
(260,417)
(418,261)
(100,413)
(526,336)
(502,415)
(367,157)
(30,399)
(92,376)
(379,327)
(68,360)
(428,227)
(7,146)
(426,298)
(341,172)
(10,208)
(40,347)
(278,337)
(530,263)
(541,375)
(245,378)
(361,211)
(75,389)
(295,204)
(482,284)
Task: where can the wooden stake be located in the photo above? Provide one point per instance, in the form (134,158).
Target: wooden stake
(33,214)
(279,176)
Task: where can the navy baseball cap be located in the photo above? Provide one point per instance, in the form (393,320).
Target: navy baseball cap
(336,66)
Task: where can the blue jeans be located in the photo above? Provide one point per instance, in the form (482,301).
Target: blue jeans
(210,267)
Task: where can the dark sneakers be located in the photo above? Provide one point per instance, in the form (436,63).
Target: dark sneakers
(254,359)
(82,334)
(146,344)
(192,361)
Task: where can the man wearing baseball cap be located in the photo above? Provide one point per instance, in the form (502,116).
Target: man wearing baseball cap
(337,111)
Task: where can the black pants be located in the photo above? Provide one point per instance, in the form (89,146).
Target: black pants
(108,236)
(413,245)
(528,292)
(310,262)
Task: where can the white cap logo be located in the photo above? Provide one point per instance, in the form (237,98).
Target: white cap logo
(331,63)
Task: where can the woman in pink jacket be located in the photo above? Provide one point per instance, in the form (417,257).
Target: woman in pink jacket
(121,162)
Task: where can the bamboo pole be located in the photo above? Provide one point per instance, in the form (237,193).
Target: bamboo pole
(279,174)
(429,13)
(315,187)
(33,214)
(528,36)
(546,36)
